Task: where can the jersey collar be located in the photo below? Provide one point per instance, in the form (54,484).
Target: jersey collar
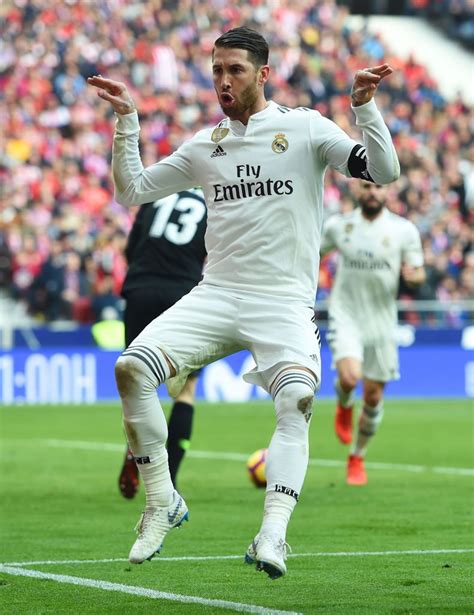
(240,129)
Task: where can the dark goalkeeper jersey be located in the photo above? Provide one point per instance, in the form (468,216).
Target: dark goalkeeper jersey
(166,243)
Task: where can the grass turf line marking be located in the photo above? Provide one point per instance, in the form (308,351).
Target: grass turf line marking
(143,591)
(227,456)
(199,558)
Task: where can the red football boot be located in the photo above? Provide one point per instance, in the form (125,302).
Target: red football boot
(343,423)
(356,474)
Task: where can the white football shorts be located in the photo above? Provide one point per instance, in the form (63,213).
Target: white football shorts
(379,358)
(210,322)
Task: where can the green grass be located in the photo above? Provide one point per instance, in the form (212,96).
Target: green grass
(62,503)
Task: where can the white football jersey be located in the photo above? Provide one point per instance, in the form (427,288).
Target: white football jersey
(370,257)
(263,185)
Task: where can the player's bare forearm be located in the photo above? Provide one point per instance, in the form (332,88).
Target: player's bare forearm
(413,276)
(366,83)
(114,92)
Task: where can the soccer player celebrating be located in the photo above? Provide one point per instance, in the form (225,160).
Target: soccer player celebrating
(261,169)
(375,246)
(165,254)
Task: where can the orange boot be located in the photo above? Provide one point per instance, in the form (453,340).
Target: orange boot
(343,423)
(356,474)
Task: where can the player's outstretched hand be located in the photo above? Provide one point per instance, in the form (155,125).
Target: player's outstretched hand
(115,92)
(366,83)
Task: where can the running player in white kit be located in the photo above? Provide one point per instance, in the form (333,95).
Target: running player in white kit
(261,169)
(375,246)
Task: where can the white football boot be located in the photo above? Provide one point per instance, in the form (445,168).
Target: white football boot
(269,554)
(153,526)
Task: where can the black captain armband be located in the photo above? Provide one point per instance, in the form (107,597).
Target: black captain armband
(357,163)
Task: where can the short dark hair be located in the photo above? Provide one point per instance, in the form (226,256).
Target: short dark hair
(246,38)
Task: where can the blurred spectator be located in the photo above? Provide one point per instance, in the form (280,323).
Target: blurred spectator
(5,262)
(26,265)
(105,303)
(46,290)
(74,284)
(55,186)
(60,285)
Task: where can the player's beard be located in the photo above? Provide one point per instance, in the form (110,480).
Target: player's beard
(371,208)
(244,102)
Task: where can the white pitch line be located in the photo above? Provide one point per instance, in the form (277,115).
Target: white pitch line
(463,471)
(200,558)
(229,456)
(85,445)
(143,591)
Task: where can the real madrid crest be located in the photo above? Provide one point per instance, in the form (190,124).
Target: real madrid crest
(280,144)
(348,228)
(218,134)
(386,242)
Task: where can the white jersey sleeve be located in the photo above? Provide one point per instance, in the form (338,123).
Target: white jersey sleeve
(329,237)
(412,250)
(133,183)
(331,142)
(382,160)
(377,161)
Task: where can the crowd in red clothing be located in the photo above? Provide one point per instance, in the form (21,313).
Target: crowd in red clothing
(62,235)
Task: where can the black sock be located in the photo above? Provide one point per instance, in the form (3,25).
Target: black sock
(179,434)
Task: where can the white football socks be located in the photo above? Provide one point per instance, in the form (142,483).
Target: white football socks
(145,424)
(288,452)
(276,513)
(369,421)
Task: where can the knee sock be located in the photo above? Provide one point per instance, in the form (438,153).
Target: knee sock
(276,513)
(288,452)
(345,399)
(179,434)
(369,421)
(139,371)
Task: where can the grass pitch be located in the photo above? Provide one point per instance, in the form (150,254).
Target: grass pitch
(402,544)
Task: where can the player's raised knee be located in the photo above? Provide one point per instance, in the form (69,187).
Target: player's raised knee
(127,374)
(305,406)
(348,382)
(297,398)
(373,398)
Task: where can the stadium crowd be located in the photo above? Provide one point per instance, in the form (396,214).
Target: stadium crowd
(453,17)
(62,235)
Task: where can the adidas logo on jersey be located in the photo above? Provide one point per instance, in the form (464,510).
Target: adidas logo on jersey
(218,152)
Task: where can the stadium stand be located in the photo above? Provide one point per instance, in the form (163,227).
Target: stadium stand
(61,233)
(453,17)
